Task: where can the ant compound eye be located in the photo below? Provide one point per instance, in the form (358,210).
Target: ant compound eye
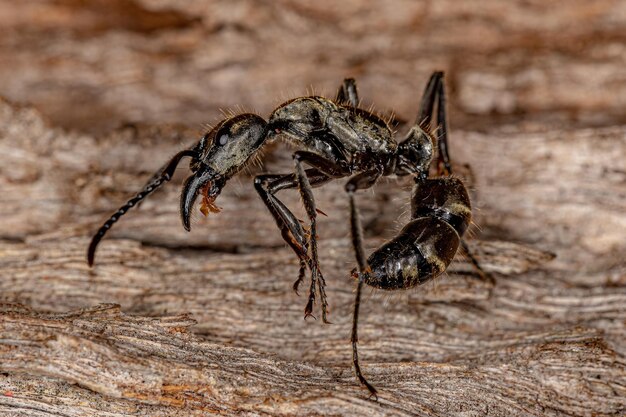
(223,139)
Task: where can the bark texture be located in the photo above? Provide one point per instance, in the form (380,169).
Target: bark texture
(176,323)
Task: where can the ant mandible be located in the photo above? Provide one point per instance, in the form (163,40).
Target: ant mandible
(337,139)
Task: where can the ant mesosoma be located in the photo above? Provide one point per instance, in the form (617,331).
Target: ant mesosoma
(337,139)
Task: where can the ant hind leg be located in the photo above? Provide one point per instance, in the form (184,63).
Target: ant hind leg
(482,274)
(444,167)
(348,93)
(360,181)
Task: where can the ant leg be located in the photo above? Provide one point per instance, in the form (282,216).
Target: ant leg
(427,105)
(347,93)
(435,92)
(355,339)
(166,174)
(334,170)
(291,229)
(482,274)
(364,180)
(444,168)
(443,154)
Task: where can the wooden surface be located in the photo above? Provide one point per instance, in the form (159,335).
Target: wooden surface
(200,323)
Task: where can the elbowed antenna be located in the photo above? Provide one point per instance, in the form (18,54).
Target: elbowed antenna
(165,176)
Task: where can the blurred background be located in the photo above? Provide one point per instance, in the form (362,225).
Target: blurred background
(95,65)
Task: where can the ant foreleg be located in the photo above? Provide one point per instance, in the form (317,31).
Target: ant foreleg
(334,170)
(291,229)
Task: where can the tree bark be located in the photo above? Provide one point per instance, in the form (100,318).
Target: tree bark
(201,323)
(213,326)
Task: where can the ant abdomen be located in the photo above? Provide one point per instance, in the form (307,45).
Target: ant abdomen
(440,212)
(445,198)
(420,252)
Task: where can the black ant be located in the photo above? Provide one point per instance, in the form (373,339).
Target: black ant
(337,139)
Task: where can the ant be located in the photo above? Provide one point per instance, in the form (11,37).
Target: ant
(337,139)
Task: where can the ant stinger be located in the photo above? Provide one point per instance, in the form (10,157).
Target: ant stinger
(337,139)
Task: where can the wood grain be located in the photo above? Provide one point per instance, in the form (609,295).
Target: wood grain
(550,340)
(98,95)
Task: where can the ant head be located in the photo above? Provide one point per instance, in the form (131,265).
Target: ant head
(228,146)
(221,153)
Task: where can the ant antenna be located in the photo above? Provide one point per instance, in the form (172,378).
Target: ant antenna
(165,176)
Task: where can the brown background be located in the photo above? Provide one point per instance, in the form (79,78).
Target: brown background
(98,94)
